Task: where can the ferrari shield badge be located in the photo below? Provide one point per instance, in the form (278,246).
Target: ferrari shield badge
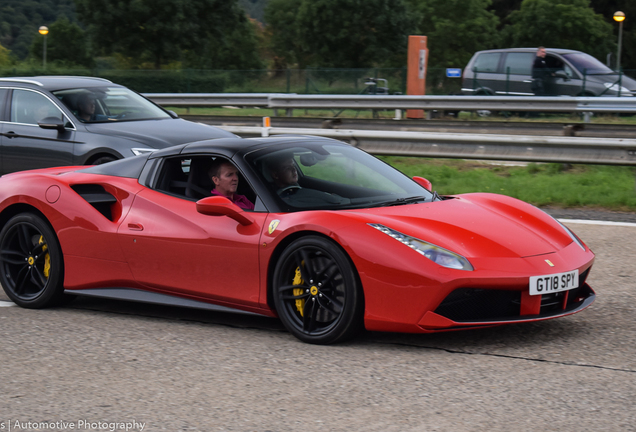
(548,261)
(272,226)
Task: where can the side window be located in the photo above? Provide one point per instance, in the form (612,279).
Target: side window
(3,97)
(519,63)
(487,62)
(174,175)
(554,63)
(29,107)
(189,177)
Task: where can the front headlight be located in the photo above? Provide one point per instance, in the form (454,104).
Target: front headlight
(615,88)
(437,254)
(572,235)
(140,151)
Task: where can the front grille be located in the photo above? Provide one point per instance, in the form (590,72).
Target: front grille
(552,302)
(473,304)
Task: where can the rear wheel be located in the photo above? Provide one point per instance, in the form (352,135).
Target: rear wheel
(31,264)
(316,292)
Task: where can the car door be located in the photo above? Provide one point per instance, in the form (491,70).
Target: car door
(486,74)
(4,115)
(25,145)
(566,80)
(517,77)
(173,248)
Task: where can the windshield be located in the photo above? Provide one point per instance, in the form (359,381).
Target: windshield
(586,64)
(331,176)
(108,104)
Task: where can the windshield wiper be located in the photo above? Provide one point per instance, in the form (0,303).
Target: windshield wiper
(402,201)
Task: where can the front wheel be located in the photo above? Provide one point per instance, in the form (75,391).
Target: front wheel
(317,293)
(31,264)
(103,159)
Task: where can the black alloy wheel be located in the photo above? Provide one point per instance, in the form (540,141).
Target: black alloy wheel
(317,293)
(31,265)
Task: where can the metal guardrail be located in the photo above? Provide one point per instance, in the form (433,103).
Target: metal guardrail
(609,151)
(399,102)
(210,99)
(606,151)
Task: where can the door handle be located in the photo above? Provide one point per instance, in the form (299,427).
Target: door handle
(11,134)
(135,227)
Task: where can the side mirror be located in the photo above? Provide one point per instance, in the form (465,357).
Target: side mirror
(173,114)
(423,182)
(563,75)
(221,206)
(52,123)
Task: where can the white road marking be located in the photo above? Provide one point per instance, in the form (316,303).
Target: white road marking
(6,304)
(595,222)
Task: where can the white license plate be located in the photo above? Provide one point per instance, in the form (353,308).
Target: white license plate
(557,282)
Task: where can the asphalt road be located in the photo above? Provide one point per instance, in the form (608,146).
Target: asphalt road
(174,369)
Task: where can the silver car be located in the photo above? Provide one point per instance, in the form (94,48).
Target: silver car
(574,73)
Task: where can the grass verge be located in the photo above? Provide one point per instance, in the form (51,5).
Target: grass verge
(551,184)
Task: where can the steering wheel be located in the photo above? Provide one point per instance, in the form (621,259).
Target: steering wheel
(124,114)
(288,190)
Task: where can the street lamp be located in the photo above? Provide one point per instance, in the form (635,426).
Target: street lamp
(619,17)
(44,30)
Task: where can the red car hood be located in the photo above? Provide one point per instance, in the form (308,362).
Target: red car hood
(477,225)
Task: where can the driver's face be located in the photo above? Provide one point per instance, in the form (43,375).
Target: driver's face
(89,106)
(287,173)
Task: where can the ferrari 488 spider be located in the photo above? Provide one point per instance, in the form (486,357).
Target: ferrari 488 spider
(336,241)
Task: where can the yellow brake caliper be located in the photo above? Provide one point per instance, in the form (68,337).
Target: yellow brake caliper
(47,258)
(298,280)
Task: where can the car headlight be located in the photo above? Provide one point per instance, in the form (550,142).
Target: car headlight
(437,254)
(140,151)
(572,235)
(615,88)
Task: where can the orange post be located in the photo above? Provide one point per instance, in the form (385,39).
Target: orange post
(416,71)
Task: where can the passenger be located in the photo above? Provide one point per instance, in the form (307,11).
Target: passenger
(224,175)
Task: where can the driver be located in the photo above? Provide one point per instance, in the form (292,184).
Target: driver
(86,107)
(283,171)
(284,174)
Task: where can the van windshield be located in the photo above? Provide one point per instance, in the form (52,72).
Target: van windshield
(586,64)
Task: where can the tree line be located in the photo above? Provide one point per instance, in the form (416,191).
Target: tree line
(218,34)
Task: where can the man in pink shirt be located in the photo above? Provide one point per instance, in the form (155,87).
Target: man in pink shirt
(225,178)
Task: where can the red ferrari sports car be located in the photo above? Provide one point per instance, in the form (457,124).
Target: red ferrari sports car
(311,230)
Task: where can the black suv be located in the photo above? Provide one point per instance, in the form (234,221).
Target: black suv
(52,121)
(575,73)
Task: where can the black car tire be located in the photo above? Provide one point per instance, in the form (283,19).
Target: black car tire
(316,291)
(31,262)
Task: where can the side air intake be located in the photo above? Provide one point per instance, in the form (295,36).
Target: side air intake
(97,196)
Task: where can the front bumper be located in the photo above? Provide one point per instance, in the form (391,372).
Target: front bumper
(467,308)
